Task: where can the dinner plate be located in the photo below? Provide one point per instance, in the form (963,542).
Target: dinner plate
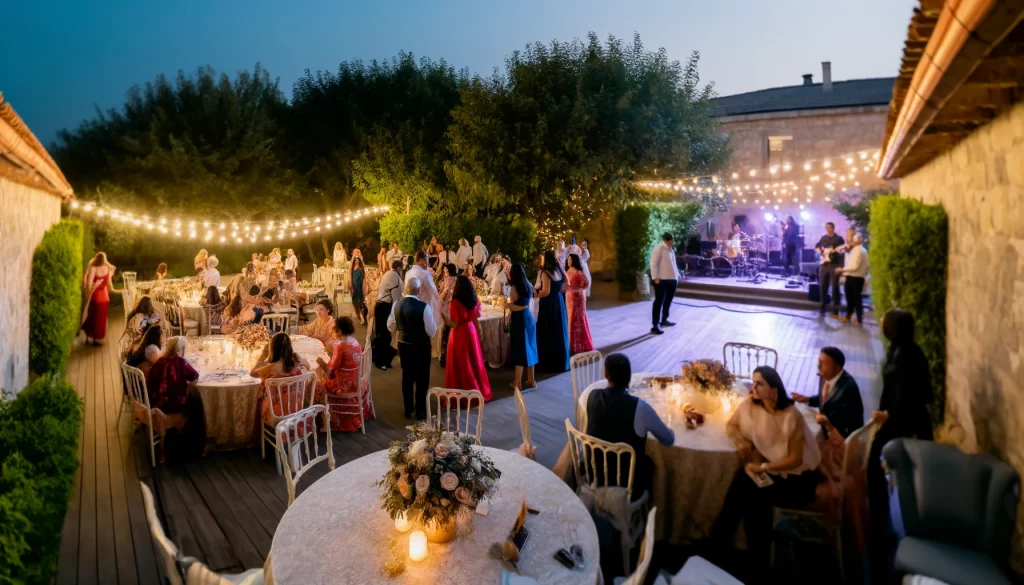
(298,337)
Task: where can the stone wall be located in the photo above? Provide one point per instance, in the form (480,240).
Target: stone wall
(27,214)
(980,183)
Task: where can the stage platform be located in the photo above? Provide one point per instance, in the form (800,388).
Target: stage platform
(771,292)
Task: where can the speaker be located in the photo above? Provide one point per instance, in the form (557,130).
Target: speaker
(807,255)
(814,292)
(774,258)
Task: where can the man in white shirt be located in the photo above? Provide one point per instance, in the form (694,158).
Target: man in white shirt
(413,321)
(479,255)
(394,253)
(211,276)
(464,255)
(856,271)
(292,261)
(388,291)
(446,256)
(665,274)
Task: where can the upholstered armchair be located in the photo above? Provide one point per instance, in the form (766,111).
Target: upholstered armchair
(954,512)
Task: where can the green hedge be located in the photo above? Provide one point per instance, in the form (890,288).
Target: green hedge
(55,297)
(638,229)
(38,459)
(908,255)
(514,237)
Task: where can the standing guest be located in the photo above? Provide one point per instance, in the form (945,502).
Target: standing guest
(465,369)
(382,258)
(562,253)
(200,261)
(342,377)
(827,276)
(394,253)
(407,262)
(291,262)
(446,288)
(167,384)
(464,255)
(552,323)
(413,321)
(357,254)
(856,271)
(791,246)
(141,317)
(146,351)
(446,256)
(585,260)
(522,330)
(322,327)
(161,271)
(97,285)
(211,276)
(500,278)
(277,361)
(665,274)
(422,260)
(213,304)
(428,294)
(358,286)
(838,396)
(903,410)
(339,254)
(771,437)
(433,251)
(576,284)
(275,257)
(389,290)
(492,267)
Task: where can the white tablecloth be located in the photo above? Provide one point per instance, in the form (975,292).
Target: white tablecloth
(336,531)
(493,337)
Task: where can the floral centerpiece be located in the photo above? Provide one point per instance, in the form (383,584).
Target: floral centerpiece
(708,376)
(252,337)
(435,475)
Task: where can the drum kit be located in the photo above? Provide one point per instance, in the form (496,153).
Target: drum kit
(744,256)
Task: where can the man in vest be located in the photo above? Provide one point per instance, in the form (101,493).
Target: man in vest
(413,321)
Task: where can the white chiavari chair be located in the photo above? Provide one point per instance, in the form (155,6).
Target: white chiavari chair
(354,402)
(743,358)
(187,325)
(646,552)
(165,548)
(276,322)
(299,445)
(198,573)
(286,396)
(172,317)
(611,499)
(128,301)
(124,344)
(213,321)
(581,411)
(585,369)
(128,279)
(450,402)
(136,384)
(524,418)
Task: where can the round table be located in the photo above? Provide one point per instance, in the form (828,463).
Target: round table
(230,396)
(493,337)
(336,531)
(692,477)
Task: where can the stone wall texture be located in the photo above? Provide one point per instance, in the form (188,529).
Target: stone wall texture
(980,182)
(26,214)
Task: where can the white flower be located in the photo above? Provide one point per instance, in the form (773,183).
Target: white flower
(449,481)
(442,450)
(417,449)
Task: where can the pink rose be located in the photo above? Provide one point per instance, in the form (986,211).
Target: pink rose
(465,496)
(404,488)
(441,450)
(422,483)
(449,481)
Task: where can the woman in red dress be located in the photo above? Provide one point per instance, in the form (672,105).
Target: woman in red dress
(465,363)
(97,286)
(576,306)
(342,377)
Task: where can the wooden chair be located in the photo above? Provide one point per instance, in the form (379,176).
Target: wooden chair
(299,447)
(585,369)
(449,400)
(165,548)
(613,500)
(646,552)
(136,384)
(524,418)
(276,322)
(743,358)
(343,403)
(286,396)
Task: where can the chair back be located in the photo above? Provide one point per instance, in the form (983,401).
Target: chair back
(166,549)
(128,301)
(581,411)
(591,459)
(585,369)
(135,382)
(524,417)
(289,395)
(743,358)
(128,278)
(275,322)
(646,552)
(449,400)
(300,445)
(365,367)
(171,312)
(946,495)
(124,344)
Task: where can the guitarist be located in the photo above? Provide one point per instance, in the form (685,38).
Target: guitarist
(829,247)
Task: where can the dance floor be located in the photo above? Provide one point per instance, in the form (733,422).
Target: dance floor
(224,508)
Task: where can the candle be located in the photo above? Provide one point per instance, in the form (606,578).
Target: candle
(402,523)
(417,545)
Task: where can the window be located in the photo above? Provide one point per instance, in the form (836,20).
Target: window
(775,149)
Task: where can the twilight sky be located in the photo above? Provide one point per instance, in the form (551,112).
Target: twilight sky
(61,59)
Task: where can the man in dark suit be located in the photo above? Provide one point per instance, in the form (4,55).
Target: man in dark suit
(838,395)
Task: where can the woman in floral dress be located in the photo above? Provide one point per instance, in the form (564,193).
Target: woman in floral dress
(446,287)
(342,377)
(576,307)
(278,361)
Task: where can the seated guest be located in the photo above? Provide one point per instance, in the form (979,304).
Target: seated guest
(241,313)
(146,352)
(167,384)
(141,317)
(211,276)
(771,437)
(289,281)
(161,271)
(493,267)
(278,361)
(838,396)
(342,376)
(321,328)
(500,279)
(214,306)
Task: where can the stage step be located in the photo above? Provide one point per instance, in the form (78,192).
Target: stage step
(747,295)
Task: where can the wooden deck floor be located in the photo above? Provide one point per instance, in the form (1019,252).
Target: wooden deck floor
(224,508)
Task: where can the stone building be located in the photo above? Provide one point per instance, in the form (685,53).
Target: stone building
(31,191)
(955,136)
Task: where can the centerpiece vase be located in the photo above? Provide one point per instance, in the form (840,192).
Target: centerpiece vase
(440,531)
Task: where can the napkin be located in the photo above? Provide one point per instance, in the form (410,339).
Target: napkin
(509,578)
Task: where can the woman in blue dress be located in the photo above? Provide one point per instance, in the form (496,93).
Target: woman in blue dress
(552,322)
(522,330)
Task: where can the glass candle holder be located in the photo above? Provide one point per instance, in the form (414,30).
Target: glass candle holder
(402,523)
(417,545)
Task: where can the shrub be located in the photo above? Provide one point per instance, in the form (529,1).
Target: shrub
(38,459)
(516,237)
(908,256)
(55,297)
(638,229)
